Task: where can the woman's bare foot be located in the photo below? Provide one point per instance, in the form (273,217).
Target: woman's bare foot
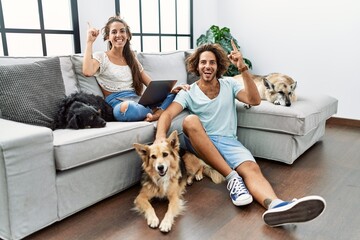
(154,117)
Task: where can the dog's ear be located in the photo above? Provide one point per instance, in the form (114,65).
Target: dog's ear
(173,140)
(142,150)
(293,86)
(73,122)
(268,84)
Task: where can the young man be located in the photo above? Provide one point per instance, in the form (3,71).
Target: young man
(210,133)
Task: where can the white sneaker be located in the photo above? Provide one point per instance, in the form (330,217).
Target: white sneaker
(239,194)
(296,211)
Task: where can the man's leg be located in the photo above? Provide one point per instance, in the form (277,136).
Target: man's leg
(206,150)
(257,184)
(200,141)
(279,212)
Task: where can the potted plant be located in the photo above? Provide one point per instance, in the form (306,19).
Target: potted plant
(222,36)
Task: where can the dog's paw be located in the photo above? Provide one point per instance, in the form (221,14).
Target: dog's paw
(153,222)
(277,102)
(165,225)
(189,180)
(199,176)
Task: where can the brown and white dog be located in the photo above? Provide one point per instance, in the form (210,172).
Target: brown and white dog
(276,88)
(165,175)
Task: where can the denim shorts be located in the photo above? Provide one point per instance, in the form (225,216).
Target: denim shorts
(230,149)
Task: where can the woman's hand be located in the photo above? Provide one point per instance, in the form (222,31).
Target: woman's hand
(92,33)
(178,88)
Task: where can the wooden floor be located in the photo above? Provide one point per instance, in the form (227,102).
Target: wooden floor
(331,168)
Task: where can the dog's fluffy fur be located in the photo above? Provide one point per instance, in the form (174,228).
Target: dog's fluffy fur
(83,110)
(165,175)
(276,88)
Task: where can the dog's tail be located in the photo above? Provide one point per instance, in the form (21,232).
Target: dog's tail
(214,175)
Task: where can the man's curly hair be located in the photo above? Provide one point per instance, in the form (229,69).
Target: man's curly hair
(192,62)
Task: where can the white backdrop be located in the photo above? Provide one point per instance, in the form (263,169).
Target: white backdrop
(315,42)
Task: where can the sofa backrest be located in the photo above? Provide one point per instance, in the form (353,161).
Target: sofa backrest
(159,66)
(164,65)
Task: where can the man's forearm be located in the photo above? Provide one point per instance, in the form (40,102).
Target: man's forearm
(163,126)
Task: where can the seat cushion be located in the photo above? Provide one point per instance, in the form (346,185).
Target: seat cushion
(299,119)
(74,148)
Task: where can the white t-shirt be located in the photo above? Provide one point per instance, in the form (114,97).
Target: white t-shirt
(112,77)
(217,115)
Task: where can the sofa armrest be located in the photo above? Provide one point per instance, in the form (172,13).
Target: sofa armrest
(28,199)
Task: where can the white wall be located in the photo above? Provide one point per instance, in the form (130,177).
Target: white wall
(315,42)
(96,13)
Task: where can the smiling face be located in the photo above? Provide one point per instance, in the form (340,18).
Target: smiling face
(118,35)
(207,67)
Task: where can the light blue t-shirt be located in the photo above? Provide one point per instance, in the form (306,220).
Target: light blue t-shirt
(217,115)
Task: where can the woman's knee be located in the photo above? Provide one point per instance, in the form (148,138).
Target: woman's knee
(191,123)
(124,106)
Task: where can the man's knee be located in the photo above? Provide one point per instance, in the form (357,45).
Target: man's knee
(191,123)
(248,168)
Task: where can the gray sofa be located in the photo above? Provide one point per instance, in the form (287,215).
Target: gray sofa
(46,176)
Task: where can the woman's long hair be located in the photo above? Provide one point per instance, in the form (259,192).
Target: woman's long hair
(128,54)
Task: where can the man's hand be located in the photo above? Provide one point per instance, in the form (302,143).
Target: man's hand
(160,140)
(235,56)
(92,33)
(177,89)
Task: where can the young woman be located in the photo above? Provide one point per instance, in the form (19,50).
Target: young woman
(119,73)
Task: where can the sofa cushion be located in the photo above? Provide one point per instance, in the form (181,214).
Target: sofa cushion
(302,117)
(164,65)
(86,84)
(30,93)
(66,66)
(74,148)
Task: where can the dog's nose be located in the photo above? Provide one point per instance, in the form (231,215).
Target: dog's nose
(160,168)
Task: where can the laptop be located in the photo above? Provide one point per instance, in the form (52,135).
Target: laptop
(155,92)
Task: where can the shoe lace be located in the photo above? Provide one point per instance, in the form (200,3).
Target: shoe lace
(237,186)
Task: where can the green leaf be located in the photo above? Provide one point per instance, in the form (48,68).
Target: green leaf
(226,45)
(201,40)
(214,29)
(248,62)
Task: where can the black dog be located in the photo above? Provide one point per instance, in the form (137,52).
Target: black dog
(83,110)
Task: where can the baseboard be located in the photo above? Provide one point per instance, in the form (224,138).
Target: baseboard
(343,121)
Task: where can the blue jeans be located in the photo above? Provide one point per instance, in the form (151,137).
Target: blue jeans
(135,111)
